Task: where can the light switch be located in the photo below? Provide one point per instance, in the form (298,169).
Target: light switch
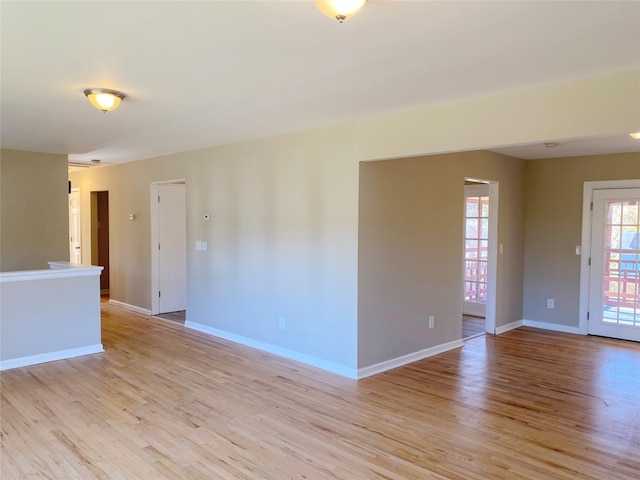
(578,250)
(204,246)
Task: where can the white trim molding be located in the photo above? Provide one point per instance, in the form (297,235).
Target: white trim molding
(154,212)
(409,358)
(281,352)
(509,326)
(553,326)
(492,254)
(57,270)
(133,308)
(50,357)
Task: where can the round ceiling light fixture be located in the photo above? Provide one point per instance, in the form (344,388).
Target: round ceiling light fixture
(104,99)
(340,9)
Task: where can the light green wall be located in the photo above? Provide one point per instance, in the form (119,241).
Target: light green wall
(410,249)
(34,212)
(553,229)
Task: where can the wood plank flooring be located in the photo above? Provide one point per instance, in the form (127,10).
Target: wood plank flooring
(472,326)
(164,402)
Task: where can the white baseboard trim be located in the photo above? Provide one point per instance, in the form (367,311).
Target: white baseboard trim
(133,308)
(282,352)
(405,359)
(553,326)
(50,357)
(509,326)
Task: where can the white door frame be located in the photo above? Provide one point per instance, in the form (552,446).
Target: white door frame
(475,190)
(585,270)
(492,256)
(155,257)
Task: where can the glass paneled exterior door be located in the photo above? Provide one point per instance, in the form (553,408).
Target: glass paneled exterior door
(476,249)
(615,271)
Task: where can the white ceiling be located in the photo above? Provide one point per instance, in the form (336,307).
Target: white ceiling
(573,147)
(205,73)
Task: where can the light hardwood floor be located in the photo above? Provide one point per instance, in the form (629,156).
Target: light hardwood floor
(166,402)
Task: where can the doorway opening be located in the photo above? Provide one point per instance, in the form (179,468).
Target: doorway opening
(169,250)
(610,267)
(75,240)
(479,256)
(100,237)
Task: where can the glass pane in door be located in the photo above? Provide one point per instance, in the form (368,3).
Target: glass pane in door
(476,249)
(621,297)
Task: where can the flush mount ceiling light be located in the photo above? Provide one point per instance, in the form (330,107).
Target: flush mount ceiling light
(635,135)
(104,99)
(551,144)
(340,9)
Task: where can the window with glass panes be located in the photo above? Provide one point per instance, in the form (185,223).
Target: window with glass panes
(621,298)
(476,249)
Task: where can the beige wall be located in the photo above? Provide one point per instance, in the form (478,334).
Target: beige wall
(34,210)
(129,241)
(283,239)
(604,105)
(410,249)
(553,229)
(47,316)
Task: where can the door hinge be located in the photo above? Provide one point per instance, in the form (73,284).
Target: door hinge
(589,261)
(587,315)
(159,249)
(590,207)
(159,199)
(159,295)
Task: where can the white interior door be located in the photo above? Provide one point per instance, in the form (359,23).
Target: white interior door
(172,248)
(75,245)
(614,286)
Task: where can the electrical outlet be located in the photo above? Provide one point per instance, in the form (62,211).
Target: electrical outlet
(282,323)
(551,303)
(432,321)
